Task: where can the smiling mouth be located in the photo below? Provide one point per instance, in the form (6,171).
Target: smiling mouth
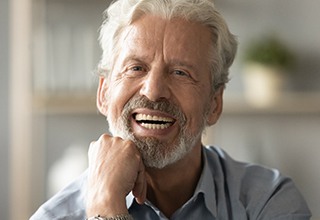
(153,122)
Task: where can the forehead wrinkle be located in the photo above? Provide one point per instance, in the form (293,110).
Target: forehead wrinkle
(135,42)
(149,37)
(190,55)
(147,43)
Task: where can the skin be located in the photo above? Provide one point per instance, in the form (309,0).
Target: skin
(160,59)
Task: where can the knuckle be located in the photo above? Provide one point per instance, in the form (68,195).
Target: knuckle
(91,146)
(104,137)
(128,143)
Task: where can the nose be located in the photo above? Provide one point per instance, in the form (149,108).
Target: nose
(156,86)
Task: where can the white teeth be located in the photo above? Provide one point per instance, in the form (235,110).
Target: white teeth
(166,122)
(140,117)
(155,126)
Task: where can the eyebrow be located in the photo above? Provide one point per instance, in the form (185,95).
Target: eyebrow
(134,57)
(172,62)
(183,64)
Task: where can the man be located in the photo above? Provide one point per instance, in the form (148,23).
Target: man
(163,71)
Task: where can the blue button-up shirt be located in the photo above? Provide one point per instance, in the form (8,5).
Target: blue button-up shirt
(227,189)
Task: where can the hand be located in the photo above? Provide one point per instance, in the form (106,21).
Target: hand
(115,169)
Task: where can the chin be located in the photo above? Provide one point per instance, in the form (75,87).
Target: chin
(157,154)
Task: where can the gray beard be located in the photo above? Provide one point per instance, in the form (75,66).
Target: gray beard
(156,153)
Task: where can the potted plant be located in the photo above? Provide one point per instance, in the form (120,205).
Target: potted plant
(267,61)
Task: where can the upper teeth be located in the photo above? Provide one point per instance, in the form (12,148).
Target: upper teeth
(154,122)
(144,117)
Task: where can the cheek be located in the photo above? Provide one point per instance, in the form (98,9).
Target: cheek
(194,107)
(196,104)
(118,95)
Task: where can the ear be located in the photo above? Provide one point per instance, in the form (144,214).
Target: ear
(216,106)
(102,96)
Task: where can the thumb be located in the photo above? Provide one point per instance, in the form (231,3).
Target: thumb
(140,187)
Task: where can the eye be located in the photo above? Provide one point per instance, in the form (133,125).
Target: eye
(137,68)
(180,73)
(183,75)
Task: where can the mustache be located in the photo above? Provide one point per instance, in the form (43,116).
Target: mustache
(162,105)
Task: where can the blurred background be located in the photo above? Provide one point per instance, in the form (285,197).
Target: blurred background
(49,52)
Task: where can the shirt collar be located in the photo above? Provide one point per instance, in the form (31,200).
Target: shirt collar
(129,200)
(205,186)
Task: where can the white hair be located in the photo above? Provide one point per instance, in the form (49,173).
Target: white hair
(123,13)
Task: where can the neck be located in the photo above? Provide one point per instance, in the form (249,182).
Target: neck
(173,186)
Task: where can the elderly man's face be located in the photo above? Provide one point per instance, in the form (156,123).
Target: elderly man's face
(159,91)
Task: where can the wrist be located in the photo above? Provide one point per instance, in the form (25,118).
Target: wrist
(106,206)
(116,217)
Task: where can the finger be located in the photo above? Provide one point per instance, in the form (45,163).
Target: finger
(144,192)
(91,150)
(95,146)
(140,187)
(139,190)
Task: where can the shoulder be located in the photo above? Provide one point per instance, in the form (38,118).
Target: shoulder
(251,180)
(262,192)
(66,204)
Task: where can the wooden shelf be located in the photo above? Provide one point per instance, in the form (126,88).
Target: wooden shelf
(286,103)
(65,104)
(290,103)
